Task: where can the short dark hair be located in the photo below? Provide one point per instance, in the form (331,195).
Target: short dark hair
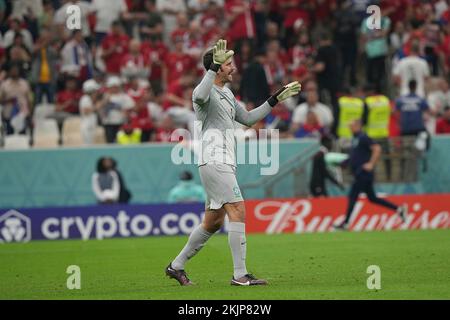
(75,32)
(101,167)
(208,59)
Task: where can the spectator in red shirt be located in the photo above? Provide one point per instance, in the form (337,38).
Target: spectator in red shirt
(175,92)
(444,50)
(274,66)
(182,28)
(115,47)
(135,63)
(239,14)
(394,9)
(195,45)
(445,17)
(155,50)
(177,62)
(67,99)
(136,88)
(165,129)
(66,103)
(303,73)
(210,22)
(301,53)
(140,118)
(443,123)
(293,15)
(322,10)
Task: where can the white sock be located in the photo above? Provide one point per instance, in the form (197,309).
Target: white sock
(196,241)
(238,246)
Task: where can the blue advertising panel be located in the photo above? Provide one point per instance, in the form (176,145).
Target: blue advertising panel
(98,222)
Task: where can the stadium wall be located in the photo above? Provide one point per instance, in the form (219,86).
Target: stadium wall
(51,178)
(270,216)
(62,177)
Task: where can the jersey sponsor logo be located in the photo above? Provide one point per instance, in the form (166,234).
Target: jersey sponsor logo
(237,191)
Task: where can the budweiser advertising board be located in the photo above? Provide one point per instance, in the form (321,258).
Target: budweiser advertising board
(319,215)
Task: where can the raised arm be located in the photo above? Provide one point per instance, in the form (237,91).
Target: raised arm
(249,118)
(219,55)
(202,91)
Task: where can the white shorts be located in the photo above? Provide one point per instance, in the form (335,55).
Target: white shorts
(219,181)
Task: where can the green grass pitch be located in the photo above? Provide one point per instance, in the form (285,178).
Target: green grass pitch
(414,265)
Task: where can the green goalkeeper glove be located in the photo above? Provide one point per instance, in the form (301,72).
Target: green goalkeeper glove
(285,92)
(220,54)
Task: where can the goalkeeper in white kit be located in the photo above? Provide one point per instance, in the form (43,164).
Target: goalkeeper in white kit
(217,109)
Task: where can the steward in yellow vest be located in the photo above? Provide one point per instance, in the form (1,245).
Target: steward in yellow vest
(128,135)
(378,115)
(350,109)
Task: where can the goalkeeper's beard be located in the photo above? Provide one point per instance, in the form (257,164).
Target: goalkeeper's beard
(226,77)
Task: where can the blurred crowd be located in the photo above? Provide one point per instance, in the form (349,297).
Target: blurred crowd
(131,67)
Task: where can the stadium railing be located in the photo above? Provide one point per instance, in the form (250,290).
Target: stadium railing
(297,167)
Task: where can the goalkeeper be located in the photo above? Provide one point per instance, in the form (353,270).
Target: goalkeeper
(217,109)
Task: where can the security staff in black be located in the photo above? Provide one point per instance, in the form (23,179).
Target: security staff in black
(364,155)
(320,172)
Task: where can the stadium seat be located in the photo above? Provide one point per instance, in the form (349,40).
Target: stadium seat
(72,132)
(46,134)
(72,125)
(42,111)
(100,136)
(17,142)
(73,140)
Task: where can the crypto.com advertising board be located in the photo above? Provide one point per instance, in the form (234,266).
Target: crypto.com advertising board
(269,216)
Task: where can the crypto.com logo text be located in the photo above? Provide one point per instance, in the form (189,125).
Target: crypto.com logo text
(220,146)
